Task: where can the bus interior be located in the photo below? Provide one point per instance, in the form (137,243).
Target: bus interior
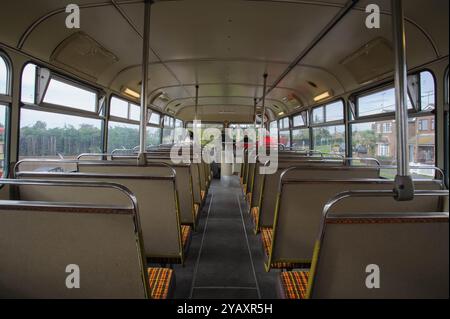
(224,149)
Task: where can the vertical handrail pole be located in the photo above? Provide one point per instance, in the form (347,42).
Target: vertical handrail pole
(196,102)
(264,100)
(403,183)
(255,112)
(144,86)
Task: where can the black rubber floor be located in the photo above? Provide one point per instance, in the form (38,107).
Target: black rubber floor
(225,259)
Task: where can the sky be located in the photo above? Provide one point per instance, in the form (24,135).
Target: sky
(2,76)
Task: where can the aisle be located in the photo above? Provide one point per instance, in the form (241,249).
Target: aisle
(225,259)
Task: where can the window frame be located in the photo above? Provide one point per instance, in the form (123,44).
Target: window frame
(282,129)
(100,113)
(305,119)
(446,120)
(6,100)
(126,120)
(6,97)
(61,109)
(112,118)
(325,122)
(149,115)
(416,113)
(387,86)
(76,84)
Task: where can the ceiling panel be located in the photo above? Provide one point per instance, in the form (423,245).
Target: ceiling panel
(245,29)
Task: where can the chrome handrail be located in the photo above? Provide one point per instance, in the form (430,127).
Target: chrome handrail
(376,193)
(43,160)
(306,167)
(77,162)
(372,159)
(74,183)
(93,154)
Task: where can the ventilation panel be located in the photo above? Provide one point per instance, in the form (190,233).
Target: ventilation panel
(83,54)
(371,61)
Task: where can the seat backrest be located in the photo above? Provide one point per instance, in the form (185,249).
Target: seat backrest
(42,242)
(156,195)
(203,176)
(382,255)
(183,182)
(256,185)
(298,215)
(194,170)
(310,170)
(196,188)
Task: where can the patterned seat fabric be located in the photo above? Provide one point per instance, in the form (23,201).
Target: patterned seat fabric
(266,236)
(185,235)
(196,210)
(255,215)
(294,284)
(160,282)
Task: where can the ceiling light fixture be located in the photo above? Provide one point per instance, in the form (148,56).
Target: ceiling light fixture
(132,93)
(322,96)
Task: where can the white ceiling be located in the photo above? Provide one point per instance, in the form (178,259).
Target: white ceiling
(224,46)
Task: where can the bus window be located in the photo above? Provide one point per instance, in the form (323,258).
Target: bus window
(284,132)
(135,112)
(329,139)
(59,125)
(446,130)
(155,118)
(121,109)
(4,90)
(328,134)
(2,137)
(153,136)
(122,135)
(300,131)
(299,120)
(377,138)
(178,123)
(45,134)
(168,130)
(118,108)
(273,125)
(28,83)
(3,76)
(300,139)
(60,93)
(427,91)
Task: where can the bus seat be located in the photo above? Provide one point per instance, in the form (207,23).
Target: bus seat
(409,252)
(297,219)
(156,168)
(270,184)
(58,236)
(156,195)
